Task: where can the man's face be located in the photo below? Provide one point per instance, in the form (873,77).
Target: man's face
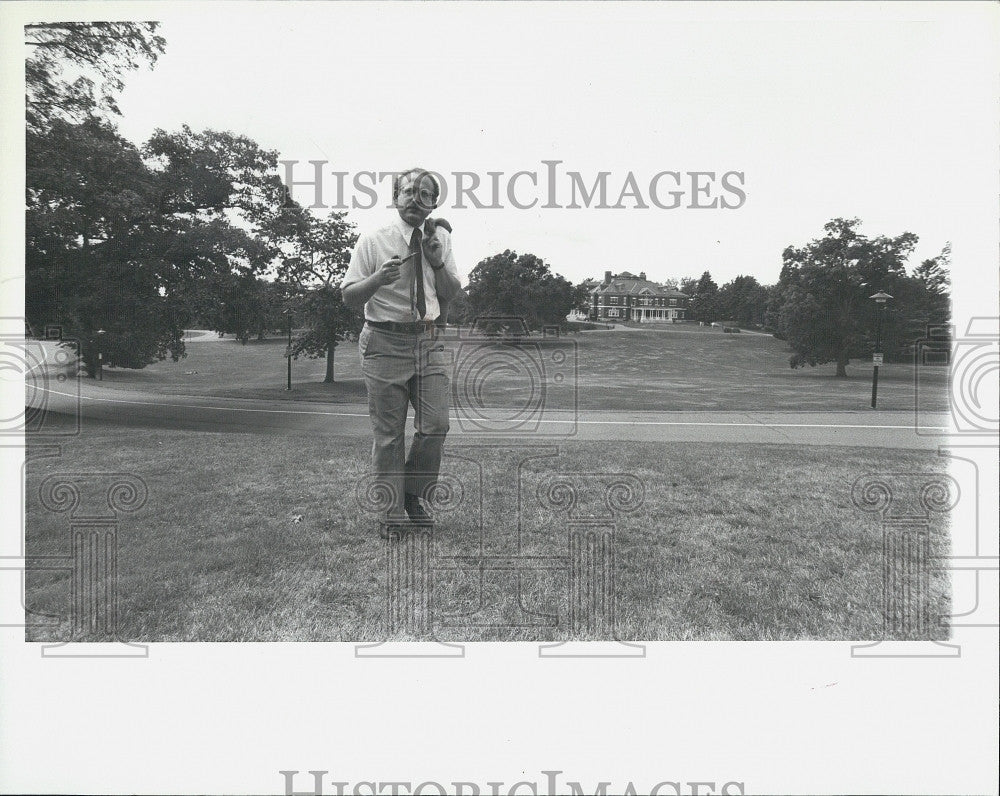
(415,202)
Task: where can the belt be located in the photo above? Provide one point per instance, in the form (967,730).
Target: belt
(415,327)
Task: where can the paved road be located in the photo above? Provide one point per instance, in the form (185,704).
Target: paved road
(100,406)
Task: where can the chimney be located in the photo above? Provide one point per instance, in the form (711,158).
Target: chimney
(607,277)
(642,275)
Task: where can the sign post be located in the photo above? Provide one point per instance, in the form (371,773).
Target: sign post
(881,298)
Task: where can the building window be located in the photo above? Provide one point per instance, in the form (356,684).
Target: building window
(673,302)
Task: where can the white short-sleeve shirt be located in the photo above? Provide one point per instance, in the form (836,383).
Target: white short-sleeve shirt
(397,301)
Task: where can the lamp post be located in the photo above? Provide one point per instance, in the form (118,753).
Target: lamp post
(100,354)
(288,352)
(880,298)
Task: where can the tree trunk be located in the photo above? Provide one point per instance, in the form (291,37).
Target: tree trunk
(842,367)
(330,346)
(90,363)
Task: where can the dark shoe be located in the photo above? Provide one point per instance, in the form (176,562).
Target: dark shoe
(416,512)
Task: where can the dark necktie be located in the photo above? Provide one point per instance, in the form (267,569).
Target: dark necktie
(418,270)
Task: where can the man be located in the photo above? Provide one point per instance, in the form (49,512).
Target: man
(398,275)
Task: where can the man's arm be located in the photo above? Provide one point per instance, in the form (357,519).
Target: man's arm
(357,293)
(437,249)
(357,288)
(446,284)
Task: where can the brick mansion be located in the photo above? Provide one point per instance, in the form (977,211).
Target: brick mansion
(626,297)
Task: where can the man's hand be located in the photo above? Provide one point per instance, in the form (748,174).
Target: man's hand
(446,285)
(388,272)
(431,223)
(432,248)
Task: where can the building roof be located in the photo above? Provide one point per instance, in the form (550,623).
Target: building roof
(629,285)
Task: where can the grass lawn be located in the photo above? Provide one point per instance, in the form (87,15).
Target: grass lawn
(682,368)
(732,542)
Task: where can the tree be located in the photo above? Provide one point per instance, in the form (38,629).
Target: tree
(935,272)
(312,258)
(932,305)
(87,190)
(776,297)
(123,240)
(581,295)
(826,310)
(214,173)
(742,300)
(126,240)
(706,284)
(689,285)
(96,50)
(460,309)
(244,305)
(704,304)
(522,287)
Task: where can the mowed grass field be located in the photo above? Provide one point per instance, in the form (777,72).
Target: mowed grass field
(676,368)
(731,541)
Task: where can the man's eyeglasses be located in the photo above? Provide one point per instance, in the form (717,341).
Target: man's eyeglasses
(426,197)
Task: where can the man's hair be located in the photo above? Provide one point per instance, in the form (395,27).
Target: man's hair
(397,181)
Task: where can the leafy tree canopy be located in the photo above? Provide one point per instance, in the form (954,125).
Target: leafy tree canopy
(312,255)
(74,69)
(742,301)
(822,303)
(120,240)
(520,286)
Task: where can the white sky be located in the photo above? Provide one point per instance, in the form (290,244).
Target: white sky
(887,111)
(843,113)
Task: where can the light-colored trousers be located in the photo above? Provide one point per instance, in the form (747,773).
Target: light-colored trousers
(401,370)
